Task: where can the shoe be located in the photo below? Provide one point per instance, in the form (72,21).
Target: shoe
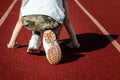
(51,47)
(34,44)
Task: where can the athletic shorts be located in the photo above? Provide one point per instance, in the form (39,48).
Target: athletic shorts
(41,23)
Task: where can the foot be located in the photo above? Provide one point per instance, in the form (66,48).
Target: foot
(34,44)
(73,45)
(12,45)
(51,47)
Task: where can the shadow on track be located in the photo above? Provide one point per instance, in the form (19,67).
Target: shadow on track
(88,42)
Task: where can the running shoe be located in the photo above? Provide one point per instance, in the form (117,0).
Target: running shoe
(34,44)
(51,47)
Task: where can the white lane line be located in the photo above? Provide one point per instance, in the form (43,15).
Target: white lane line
(103,30)
(3,18)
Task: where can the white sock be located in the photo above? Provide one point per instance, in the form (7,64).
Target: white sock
(35,37)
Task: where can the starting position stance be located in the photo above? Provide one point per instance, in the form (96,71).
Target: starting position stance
(47,17)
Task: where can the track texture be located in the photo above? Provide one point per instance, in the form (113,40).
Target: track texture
(96,59)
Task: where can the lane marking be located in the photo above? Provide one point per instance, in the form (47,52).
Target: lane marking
(102,29)
(3,18)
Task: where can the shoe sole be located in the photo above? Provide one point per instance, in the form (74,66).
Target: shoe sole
(54,53)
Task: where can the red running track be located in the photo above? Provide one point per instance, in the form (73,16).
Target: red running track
(96,59)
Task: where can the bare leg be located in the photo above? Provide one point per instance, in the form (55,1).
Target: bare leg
(16,31)
(68,25)
(74,42)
